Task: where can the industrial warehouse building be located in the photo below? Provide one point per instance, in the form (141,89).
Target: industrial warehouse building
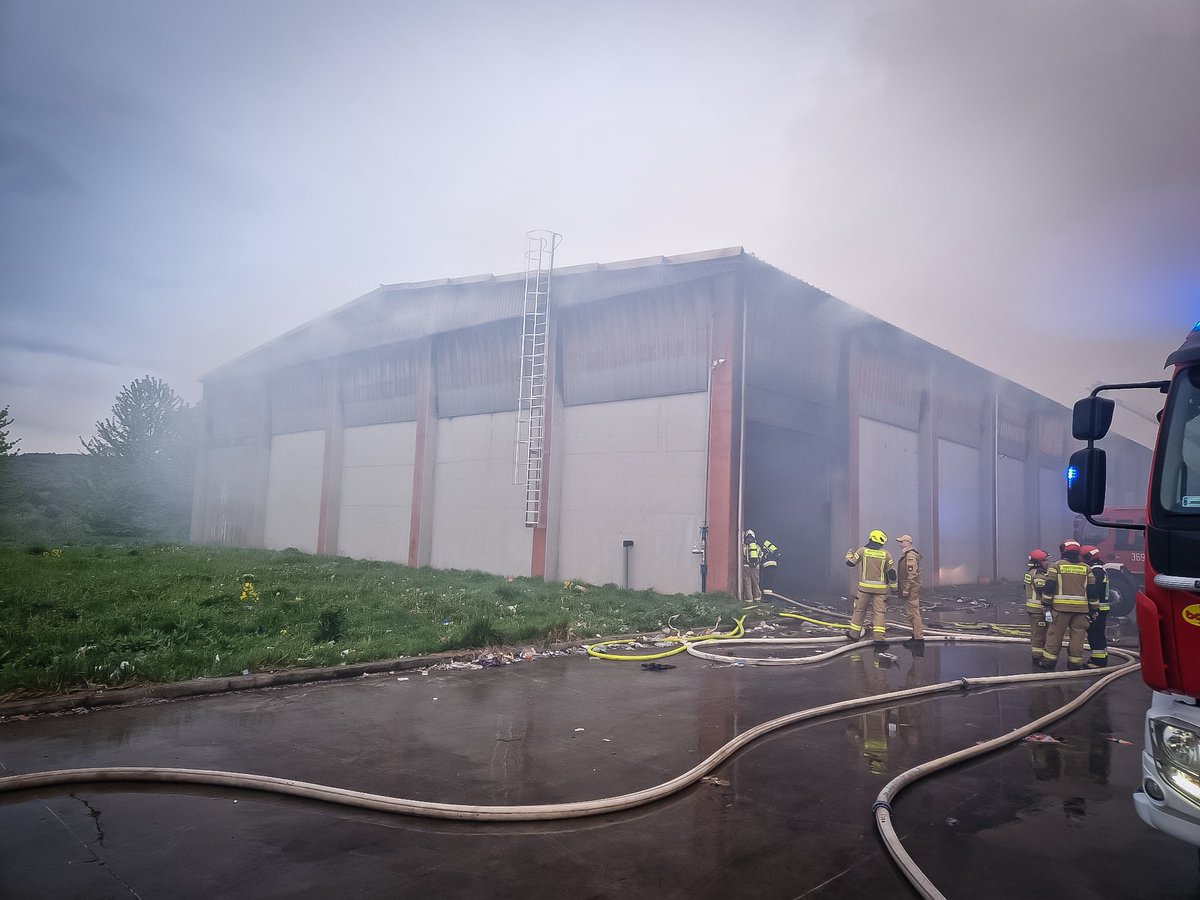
(676,401)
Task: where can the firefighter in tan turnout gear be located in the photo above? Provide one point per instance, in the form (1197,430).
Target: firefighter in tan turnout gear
(876,573)
(909,571)
(1069,584)
(751,563)
(1035,584)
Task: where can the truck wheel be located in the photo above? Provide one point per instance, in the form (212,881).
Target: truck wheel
(1122,593)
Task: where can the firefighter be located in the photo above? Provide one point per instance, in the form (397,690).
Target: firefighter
(1097,637)
(1035,605)
(909,566)
(1068,586)
(751,561)
(770,560)
(876,573)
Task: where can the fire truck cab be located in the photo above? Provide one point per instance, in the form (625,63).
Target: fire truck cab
(1168,604)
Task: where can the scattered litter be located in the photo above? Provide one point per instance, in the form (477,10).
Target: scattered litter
(527,654)
(714,780)
(245,671)
(1121,741)
(739,662)
(656,667)
(883,654)
(435,698)
(577,730)
(403,678)
(606,740)
(492,660)
(1039,738)
(952,821)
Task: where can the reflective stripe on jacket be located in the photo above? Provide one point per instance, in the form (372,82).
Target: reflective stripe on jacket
(770,554)
(1035,581)
(1072,581)
(1100,574)
(874,566)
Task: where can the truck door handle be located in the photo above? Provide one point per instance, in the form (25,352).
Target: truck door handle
(1178,583)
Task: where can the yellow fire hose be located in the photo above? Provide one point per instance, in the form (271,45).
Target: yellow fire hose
(683,640)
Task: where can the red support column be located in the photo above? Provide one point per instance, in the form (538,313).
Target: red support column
(419,530)
(724,444)
(853,441)
(331,482)
(537,561)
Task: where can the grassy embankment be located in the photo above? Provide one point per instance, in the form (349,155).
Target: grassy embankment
(89,616)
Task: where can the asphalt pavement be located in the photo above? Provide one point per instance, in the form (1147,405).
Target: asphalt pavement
(789,816)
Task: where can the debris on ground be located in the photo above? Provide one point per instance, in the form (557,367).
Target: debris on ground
(714,780)
(656,667)
(1121,741)
(1039,738)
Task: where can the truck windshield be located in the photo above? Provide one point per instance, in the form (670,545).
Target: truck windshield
(1177,469)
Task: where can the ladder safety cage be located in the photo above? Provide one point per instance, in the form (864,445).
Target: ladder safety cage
(531,404)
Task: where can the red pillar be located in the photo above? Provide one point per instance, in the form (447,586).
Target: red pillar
(724,444)
(537,561)
(422,457)
(331,483)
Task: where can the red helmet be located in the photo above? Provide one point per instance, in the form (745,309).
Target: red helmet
(1086,550)
(1092,554)
(1069,546)
(1038,556)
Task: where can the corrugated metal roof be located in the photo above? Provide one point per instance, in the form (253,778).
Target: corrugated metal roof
(401,312)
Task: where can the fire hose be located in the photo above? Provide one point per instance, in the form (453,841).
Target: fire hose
(491,813)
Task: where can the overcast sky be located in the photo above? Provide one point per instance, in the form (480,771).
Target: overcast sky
(1018,182)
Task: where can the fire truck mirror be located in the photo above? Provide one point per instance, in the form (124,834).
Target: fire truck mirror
(1086,475)
(1091,418)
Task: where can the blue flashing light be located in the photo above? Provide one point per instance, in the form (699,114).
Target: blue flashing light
(1072,474)
(1196,327)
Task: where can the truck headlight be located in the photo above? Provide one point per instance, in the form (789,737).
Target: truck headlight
(1176,747)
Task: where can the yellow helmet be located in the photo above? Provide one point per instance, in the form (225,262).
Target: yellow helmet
(877,536)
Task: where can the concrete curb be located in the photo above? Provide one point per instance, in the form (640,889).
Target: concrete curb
(200,686)
(221,685)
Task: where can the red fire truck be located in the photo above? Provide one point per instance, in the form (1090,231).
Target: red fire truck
(1168,605)
(1123,550)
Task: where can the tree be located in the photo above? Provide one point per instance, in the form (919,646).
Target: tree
(142,486)
(7,447)
(144,424)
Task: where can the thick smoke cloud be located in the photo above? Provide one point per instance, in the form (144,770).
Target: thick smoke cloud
(180,182)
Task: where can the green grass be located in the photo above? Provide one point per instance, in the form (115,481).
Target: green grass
(88,616)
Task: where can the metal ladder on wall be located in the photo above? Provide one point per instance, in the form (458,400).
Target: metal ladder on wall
(531,404)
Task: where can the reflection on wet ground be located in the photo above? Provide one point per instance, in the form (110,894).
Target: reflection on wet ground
(789,816)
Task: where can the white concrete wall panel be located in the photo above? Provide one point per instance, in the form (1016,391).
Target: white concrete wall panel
(887,479)
(958,490)
(634,470)
(1055,520)
(294,485)
(478,513)
(1012,543)
(377,478)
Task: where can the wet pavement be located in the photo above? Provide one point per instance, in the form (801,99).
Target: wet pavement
(790,816)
